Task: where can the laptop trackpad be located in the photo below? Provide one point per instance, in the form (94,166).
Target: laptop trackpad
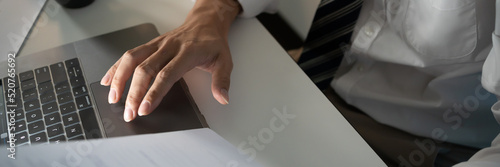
(174,113)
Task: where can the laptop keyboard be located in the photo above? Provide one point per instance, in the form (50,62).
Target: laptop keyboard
(53,105)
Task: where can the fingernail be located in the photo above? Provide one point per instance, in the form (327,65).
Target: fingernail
(128,114)
(105,80)
(224,96)
(112,96)
(144,108)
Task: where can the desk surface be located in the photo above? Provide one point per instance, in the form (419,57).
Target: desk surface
(275,113)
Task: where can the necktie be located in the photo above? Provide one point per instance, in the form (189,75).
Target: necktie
(331,29)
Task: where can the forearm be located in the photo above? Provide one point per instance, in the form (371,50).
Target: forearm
(220,13)
(490,156)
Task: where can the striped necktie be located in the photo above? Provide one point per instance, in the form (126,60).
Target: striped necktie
(331,29)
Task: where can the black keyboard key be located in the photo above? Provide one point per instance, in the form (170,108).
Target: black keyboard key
(77,138)
(16,102)
(19,114)
(33,116)
(74,72)
(28,84)
(90,124)
(36,127)
(77,81)
(55,130)
(13,98)
(72,63)
(16,92)
(44,87)
(21,138)
(74,130)
(47,97)
(30,95)
(8,82)
(39,138)
(58,72)
(67,108)
(31,105)
(62,87)
(58,139)
(83,102)
(52,118)
(78,71)
(80,90)
(70,119)
(65,97)
(49,108)
(19,126)
(12,108)
(26,76)
(42,74)
(7,113)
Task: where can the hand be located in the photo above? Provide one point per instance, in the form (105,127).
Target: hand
(200,42)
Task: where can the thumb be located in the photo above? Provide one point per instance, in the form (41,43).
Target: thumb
(221,78)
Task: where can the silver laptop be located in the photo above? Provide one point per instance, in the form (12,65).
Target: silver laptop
(55,95)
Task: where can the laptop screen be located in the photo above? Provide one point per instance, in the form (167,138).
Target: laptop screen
(17,18)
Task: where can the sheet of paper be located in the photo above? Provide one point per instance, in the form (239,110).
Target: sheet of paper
(17,18)
(191,148)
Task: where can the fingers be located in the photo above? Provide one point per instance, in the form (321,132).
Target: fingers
(106,80)
(143,75)
(221,77)
(167,60)
(126,65)
(165,79)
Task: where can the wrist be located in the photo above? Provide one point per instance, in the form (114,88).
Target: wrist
(220,13)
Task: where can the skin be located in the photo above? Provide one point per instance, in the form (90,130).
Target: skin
(200,42)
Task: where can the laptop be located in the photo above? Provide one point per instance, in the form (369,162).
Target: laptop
(55,96)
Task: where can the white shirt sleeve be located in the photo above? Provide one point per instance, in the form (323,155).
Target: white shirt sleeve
(487,157)
(490,156)
(252,8)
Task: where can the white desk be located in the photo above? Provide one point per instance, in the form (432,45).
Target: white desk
(264,78)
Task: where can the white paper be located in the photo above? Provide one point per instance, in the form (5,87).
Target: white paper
(191,148)
(17,18)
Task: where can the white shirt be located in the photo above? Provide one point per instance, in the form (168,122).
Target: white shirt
(416,66)
(419,67)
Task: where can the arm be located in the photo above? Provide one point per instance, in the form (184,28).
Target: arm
(491,81)
(252,8)
(201,41)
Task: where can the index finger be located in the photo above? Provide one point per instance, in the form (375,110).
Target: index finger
(127,64)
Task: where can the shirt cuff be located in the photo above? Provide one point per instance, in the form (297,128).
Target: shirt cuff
(491,68)
(487,157)
(252,8)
